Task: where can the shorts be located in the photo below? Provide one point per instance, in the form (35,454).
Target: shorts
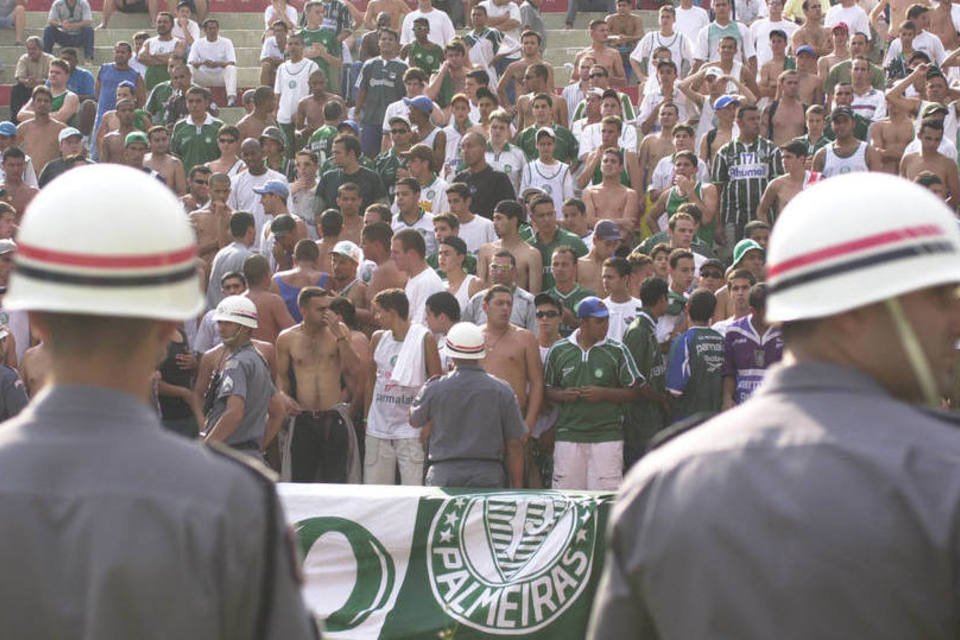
(318,447)
(383,457)
(590,466)
(6,22)
(132,6)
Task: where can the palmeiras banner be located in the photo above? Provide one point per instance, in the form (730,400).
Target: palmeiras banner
(414,562)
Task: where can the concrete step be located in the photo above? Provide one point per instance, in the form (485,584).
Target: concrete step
(141,21)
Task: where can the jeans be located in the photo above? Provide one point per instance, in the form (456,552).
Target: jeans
(53,35)
(370,138)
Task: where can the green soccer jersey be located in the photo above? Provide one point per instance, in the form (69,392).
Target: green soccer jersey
(561,237)
(566,149)
(327,38)
(695,372)
(570,300)
(382,80)
(195,145)
(605,364)
(644,416)
(428,57)
(321,142)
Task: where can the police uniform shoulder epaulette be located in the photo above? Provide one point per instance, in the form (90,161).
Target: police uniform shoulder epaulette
(261,471)
(667,434)
(950,417)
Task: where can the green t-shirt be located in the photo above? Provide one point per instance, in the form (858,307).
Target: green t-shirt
(644,416)
(428,57)
(195,145)
(561,237)
(695,372)
(570,300)
(566,150)
(327,38)
(469,264)
(605,364)
(157,101)
(321,142)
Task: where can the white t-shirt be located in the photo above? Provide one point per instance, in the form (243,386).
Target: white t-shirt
(511,37)
(872,105)
(477,233)
(855,18)
(424,225)
(242,197)
(192,27)
(691,21)
(663,173)
(418,289)
(291,85)
(760,30)
(510,161)
(707,50)
(652,101)
(156,46)
(590,138)
(270,16)
(621,315)
(441,28)
(270,49)
(947,147)
(220,50)
(924,41)
(681,50)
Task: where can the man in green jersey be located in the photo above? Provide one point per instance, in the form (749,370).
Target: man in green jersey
(194,138)
(422,53)
(321,140)
(592,378)
(380,84)
(566,289)
(328,24)
(549,235)
(695,364)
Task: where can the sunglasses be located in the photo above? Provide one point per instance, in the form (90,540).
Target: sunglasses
(226,140)
(598,75)
(711,274)
(398,132)
(547,314)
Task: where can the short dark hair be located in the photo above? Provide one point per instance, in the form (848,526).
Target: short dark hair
(411,183)
(701,305)
(758,297)
(240,221)
(411,240)
(256,268)
(621,265)
(494,290)
(652,291)
(503,253)
(444,303)
(377,232)
(306,250)
(14,152)
(331,222)
(382,210)
(332,110)
(545,298)
(346,310)
(679,254)
(394,300)
(576,202)
(350,143)
(797,147)
(309,293)
(457,243)
(510,208)
(459,188)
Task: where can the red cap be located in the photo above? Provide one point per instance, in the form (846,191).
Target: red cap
(841,25)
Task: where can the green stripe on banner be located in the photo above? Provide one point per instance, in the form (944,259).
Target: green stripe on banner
(414,562)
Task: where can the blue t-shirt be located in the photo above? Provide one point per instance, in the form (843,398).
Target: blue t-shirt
(82,83)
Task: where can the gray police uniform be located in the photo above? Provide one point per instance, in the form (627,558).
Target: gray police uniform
(473,414)
(821,508)
(114,528)
(245,374)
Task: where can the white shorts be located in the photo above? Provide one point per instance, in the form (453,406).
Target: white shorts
(383,457)
(591,466)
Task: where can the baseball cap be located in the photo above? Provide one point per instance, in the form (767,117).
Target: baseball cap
(69,132)
(592,307)
(349,123)
(712,71)
(807,49)
(420,103)
(404,119)
(7,245)
(841,112)
(134,137)
(419,151)
(934,107)
(8,129)
(594,92)
(546,131)
(606,230)
(283,225)
(274,187)
(725,101)
(273,133)
(842,26)
(348,249)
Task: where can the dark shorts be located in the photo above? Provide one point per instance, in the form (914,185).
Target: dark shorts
(319,447)
(132,6)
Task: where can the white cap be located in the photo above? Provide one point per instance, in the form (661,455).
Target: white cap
(237,309)
(855,240)
(350,250)
(106,240)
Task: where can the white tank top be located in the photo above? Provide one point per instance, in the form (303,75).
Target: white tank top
(389,411)
(834,165)
(461,294)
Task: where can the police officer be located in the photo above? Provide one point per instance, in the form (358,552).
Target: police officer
(239,393)
(112,526)
(827,505)
(475,418)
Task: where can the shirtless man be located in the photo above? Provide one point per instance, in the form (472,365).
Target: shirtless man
(535,80)
(272,312)
(345,260)
(39,136)
(506,224)
(812,32)
(626,30)
(111,146)
(512,353)
(781,190)
(212,223)
(311,358)
(607,57)
(810,88)
(109,122)
(891,136)
(610,199)
(34,368)
(18,193)
(784,117)
(606,239)
(927,159)
(394,9)
(725,111)
(228,140)
(263,115)
(160,160)
(898,13)
(198,189)
(516,71)
(941,23)
(657,145)
(375,242)
(771,70)
(839,53)
(309,115)
(329,228)
(349,202)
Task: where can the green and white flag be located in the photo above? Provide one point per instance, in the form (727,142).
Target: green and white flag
(415,562)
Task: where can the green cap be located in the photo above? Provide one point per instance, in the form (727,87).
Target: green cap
(741,249)
(136,136)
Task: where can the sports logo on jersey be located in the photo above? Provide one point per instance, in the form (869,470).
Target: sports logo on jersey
(511,563)
(292,84)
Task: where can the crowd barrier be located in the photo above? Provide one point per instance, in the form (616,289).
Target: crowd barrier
(420,562)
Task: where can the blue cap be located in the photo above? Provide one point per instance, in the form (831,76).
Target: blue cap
(592,307)
(274,187)
(8,129)
(725,101)
(807,49)
(420,103)
(350,123)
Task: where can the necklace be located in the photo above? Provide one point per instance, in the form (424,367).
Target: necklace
(491,347)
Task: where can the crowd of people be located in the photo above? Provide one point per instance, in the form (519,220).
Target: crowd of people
(394,180)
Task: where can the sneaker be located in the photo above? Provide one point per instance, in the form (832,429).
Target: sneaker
(232,101)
